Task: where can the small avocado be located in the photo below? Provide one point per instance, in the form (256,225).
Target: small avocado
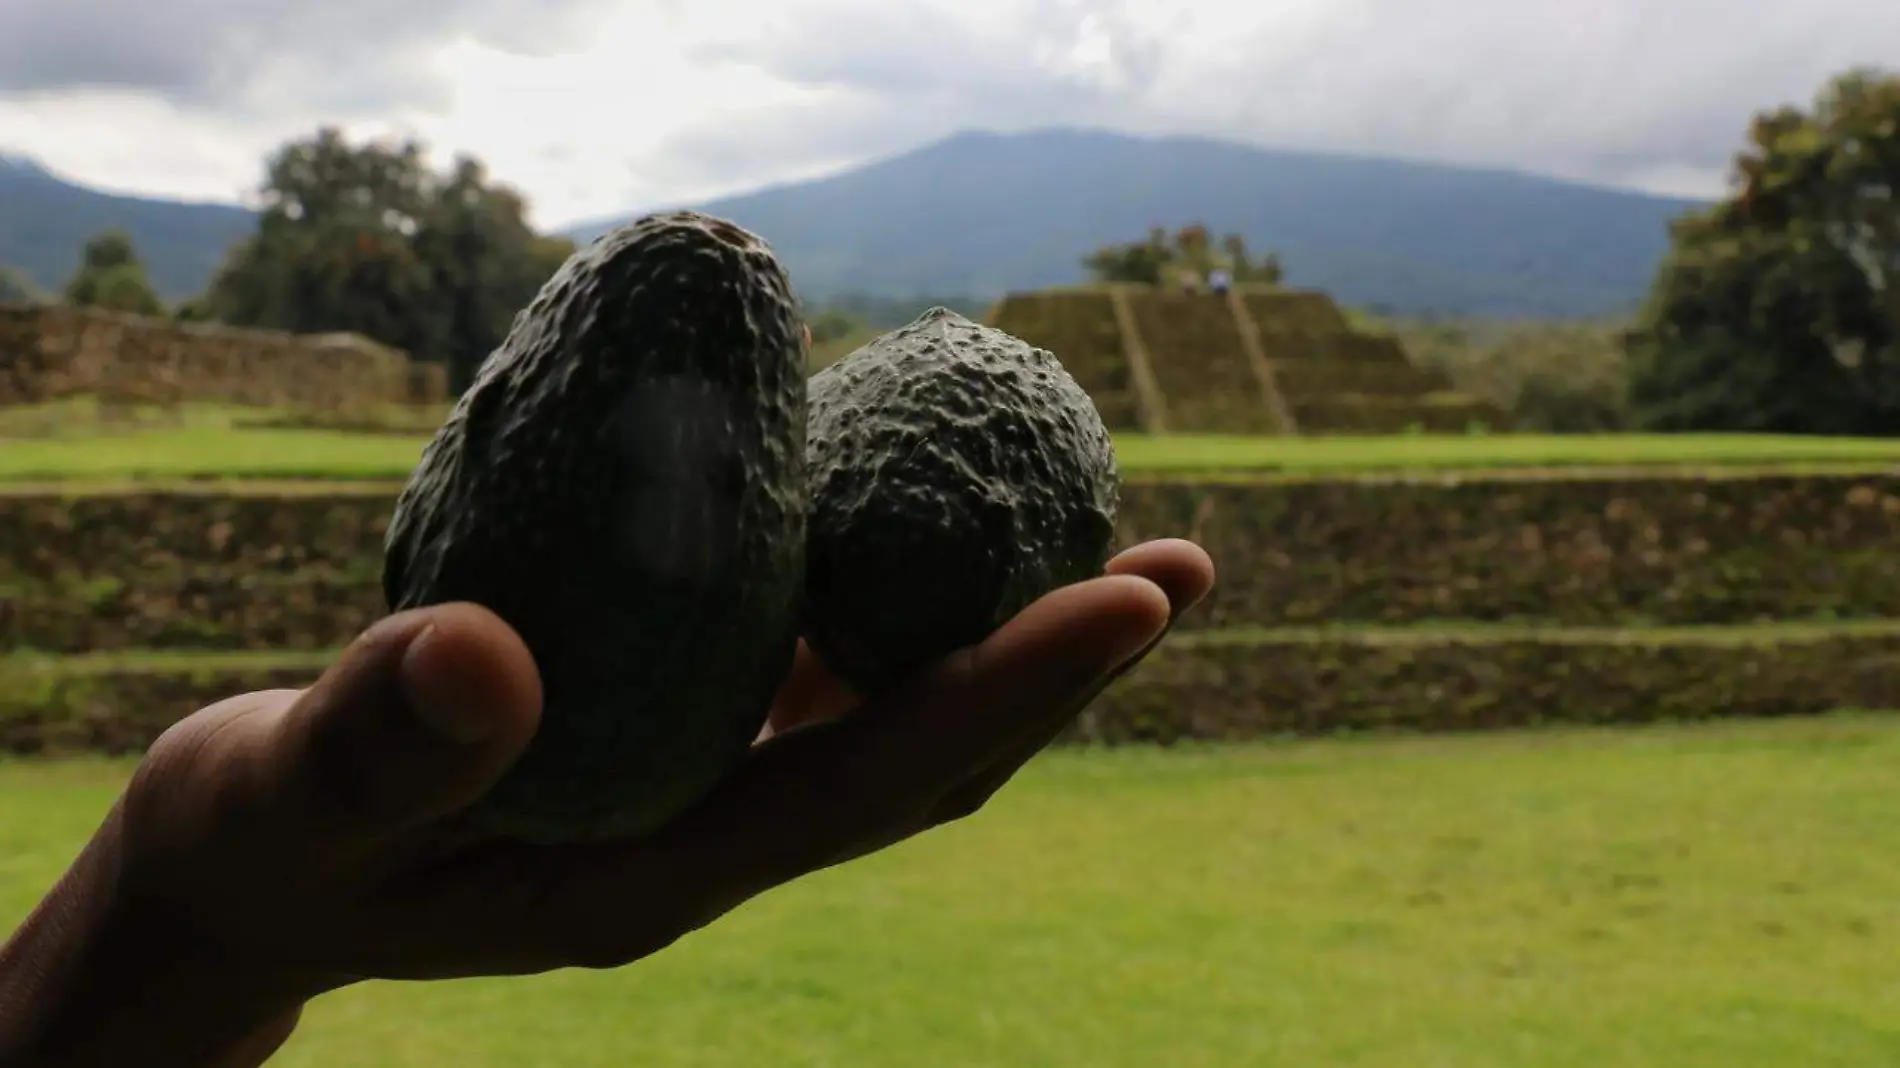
(624,484)
(956,474)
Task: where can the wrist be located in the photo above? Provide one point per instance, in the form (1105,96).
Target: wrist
(93,978)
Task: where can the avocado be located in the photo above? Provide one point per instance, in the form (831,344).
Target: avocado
(624,484)
(956,473)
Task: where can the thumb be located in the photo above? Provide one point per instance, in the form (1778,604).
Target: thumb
(417,718)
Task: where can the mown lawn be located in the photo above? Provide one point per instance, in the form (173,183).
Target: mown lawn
(208,450)
(1678,898)
(1400,451)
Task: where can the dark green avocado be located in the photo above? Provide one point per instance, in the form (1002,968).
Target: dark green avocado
(956,474)
(624,484)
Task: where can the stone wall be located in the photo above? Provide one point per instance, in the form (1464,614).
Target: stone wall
(48,352)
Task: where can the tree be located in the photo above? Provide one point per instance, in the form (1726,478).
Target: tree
(1266,272)
(1141,263)
(111,276)
(366,238)
(1193,250)
(1778,308)
(1190,249)
(486,264)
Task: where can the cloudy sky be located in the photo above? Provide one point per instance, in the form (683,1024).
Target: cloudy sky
(598,106)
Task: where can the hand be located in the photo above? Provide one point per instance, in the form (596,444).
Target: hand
(281,844)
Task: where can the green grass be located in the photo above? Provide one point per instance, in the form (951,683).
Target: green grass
(1720,897)
(1401,451)
(210,450)
(85,416)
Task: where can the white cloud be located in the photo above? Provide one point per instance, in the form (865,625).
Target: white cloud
(612,104)
(136,142)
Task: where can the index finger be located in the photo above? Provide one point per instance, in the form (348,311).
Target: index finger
(838,790)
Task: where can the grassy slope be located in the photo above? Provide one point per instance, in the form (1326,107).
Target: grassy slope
(1726,896)
(77,440)
(218,451)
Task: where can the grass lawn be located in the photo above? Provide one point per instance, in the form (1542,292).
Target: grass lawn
(1197,452)
(208,450)
(1719,897)
(193,452)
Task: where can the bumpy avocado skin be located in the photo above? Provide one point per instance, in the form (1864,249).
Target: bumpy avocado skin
(624,484)
(956,474)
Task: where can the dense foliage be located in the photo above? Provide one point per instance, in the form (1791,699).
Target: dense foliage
(1774,309)
(1778,309)
(112,276)
(1548,377)
(367,238)
(1186,255)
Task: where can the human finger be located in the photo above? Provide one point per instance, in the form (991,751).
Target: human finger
(823,794)
(417,718)
(831,791)
(812,694)
(835,790)
(1185,573)
(976,703)
(1181,568)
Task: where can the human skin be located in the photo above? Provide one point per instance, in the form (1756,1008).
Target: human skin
(283,844)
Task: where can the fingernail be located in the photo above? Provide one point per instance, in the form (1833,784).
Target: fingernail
(434,698)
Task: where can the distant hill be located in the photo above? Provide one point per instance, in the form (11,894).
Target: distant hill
(44,221)
(979,214)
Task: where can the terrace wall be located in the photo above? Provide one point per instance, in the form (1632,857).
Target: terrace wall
(1188,690)
(210,570)
(49,352)
(1343,603)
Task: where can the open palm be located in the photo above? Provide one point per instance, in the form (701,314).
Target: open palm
(284,843)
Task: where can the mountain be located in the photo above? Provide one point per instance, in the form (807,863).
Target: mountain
(45,220)
(982,213)
(979,214)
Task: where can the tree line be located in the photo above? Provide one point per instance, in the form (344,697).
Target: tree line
(368,238)
(1185,256)
(1776,309)
(364,238)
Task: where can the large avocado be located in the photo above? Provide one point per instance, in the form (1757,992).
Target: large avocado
(956,474)
(624,484)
